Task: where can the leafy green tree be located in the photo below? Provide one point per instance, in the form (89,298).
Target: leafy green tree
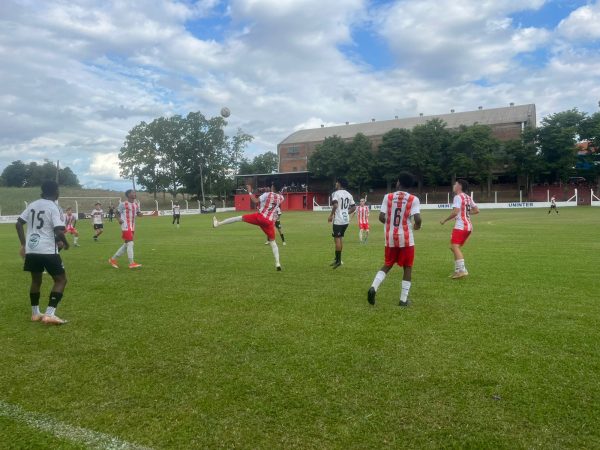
(557,137)
(15,174)
(391,155)
(361,162)
(265,163)
(424,158)
(523,158)
(329,159)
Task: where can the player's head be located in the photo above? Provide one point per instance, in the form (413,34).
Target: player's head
(461,186)
(50,190)
(69,210)
(97,205)
(275,187)
(405,181)
(130,194)
(341,183)
(362,202)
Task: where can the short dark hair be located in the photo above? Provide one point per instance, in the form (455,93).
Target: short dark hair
(406,180)
(97,203)
(276,185)
(127,192)
(49,188)
(464,184)
(343,182)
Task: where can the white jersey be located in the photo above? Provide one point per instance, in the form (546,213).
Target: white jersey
(553,201)
(268,204)
(128,213)
(398,208)
(176,210)
(277,214)
(344,203)
(42,217)
(97,215)
(465,204)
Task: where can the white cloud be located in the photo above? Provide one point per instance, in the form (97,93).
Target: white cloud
(105,166)
(582,24)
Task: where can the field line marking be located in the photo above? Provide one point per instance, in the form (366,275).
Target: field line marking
(89,438)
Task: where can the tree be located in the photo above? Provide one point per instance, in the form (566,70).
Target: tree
(557,137)
(523,158)
(360,162)
(15,174)
(329,159)
(391,160)
(266,163)
(431,141)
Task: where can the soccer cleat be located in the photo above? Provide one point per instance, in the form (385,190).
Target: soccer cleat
(279,269)
(76,245)
(336,264)
(371,295)
(36,317)
(405,304)
(460,274)
(267,243)
(134,265)
(215,222)
(53,320)
(113,262)
(284,243)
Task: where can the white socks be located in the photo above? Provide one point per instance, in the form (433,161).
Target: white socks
(35,310)
(275,252)
(120,252)
(378,279)
(130,251)
(404,291)
(50,311)
(75,239)
(459,265)
(360,235)
(231,220)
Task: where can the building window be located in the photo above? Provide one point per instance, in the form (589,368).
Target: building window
(293,150)
(294,169)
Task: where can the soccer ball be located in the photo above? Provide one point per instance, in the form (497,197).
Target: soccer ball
(225,112)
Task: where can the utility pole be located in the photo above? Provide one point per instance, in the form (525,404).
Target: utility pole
(57,170)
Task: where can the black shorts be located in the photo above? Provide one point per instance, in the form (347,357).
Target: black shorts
(552,206)
(278,224)
(176,216)
(98,226)
(37,263)
(339,230)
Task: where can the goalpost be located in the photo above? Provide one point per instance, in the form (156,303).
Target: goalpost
(87,203)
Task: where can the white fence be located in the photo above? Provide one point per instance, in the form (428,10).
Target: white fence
(573,201)
(595,199)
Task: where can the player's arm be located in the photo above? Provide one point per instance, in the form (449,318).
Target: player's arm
(475,210)
(59,234)
(455,212)
(352,209)
(418,221)
(253,199)
(21,234)
(382,217)
(334,207)
(118,216)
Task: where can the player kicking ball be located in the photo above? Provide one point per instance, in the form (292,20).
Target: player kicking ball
(126,215)
(264,218)
(462,208)
(362,212)
(45,238)
(398,212)
(342,206)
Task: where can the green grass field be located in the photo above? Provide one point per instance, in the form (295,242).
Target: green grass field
(207,346)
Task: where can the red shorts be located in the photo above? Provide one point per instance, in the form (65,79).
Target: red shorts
(127,235)
(71,230)
(459,237)
(266,225)
(363,226)
(403,256)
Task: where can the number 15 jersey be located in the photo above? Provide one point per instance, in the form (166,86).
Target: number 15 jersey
(42,217)
(345,202)
(398,208)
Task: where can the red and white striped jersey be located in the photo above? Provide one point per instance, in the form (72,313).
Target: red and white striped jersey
(268,204)
(363,215)
(70,220)
(128,213)
(463,220)
(398,208)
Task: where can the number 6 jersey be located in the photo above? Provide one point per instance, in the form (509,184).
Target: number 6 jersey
(42,217)
(398,208)
(345,202)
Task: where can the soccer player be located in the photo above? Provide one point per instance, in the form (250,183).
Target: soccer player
(264,217)
(553,205)
(363,221)
(111,212)
(462,208)
(277,216)
(398,212)
(45,238)
(342,206)
(97,216)
(70,223)
(126,214)
(176,213)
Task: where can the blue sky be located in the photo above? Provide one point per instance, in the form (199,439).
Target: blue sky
(76,76)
